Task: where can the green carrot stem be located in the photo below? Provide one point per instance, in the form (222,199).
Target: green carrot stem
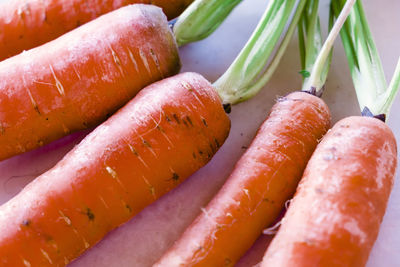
(391,91)
(365,64)
(201,19)
(310,38)
(313,31)
(273,65)
(318,73)
(302,44)
(248,74)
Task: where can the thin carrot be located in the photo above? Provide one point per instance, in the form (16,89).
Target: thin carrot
(335,215)
(264,178)
(140,153)
(79,79)
(166,133)
(25,24)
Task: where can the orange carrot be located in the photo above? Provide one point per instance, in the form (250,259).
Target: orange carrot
(334,218)
(168,131)
(172,8)
(256,191)
(25,24)
(79,79)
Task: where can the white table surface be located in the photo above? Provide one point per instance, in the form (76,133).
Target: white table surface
(141,241)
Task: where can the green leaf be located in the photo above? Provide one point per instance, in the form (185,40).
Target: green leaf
(249,72)
(365,64)
(201,19)
(305,73)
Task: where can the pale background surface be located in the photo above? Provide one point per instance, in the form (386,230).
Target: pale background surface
(142,241)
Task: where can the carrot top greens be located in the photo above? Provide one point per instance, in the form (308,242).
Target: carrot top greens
(315,57)
(374,95)
(249,73)
(201,19)
(310,41)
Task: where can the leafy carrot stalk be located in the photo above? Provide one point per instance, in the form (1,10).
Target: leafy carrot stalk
(170,130)
(78,80)
(335,215)
(26,24)
(373,93)
(201,19)
(267,175)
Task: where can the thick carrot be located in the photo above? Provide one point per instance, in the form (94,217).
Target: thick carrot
(79,79)
(167,132)
(25,24)
(334,218)
(256,191)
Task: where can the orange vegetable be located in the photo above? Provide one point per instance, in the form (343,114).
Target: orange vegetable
(335,215)
(25,24)
(77,80)
(167,132)
(256,191)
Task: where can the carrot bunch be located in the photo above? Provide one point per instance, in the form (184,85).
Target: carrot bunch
(335,215)
(267,175)
(78,80)
(167,132)
(26,24)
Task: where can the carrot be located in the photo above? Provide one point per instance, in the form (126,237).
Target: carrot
(167,132)
(76,81)
(140,153)
(264,178)
(335,215)
(79,79)
(261,182)
(172,8)
(25,24)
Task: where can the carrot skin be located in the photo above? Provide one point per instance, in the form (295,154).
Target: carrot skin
(264,178)
(146,149)
(335,215)
(77,80)
(172,8)
(25,24)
